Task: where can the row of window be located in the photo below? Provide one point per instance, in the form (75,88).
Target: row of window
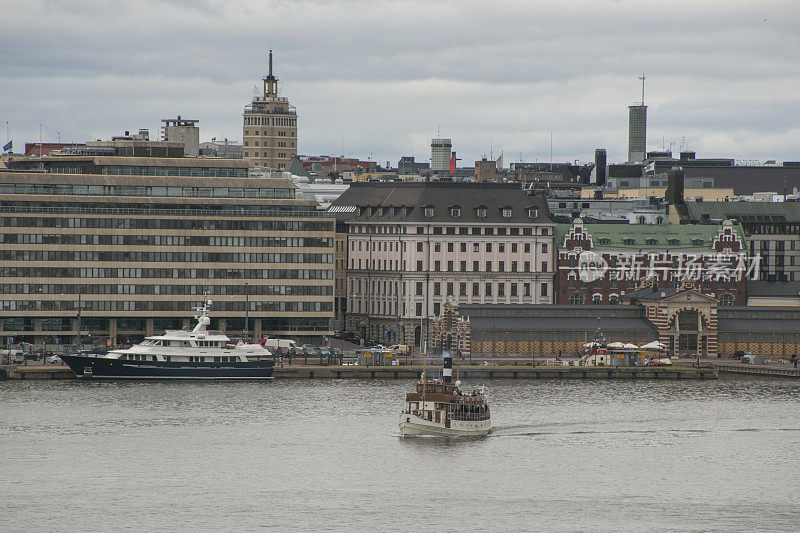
(447,230)
(134,170)
(163,257)
(145,191)
(156,223)
(388,264)
(257,120)
(163,240)
(391,246)
(448,288)
(128,288)
(97,324)
(19,271)
(149,305)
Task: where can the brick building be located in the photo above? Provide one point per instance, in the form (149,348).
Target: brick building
(601,263)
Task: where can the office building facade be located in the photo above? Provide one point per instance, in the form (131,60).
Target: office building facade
(118,257)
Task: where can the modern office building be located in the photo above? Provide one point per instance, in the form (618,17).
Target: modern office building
(269,127)
(637,133)
(117,257)
(414,246)
(441,151)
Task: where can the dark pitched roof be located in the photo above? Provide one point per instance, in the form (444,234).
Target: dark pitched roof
(747,180)
(786,289)
(406,202)
(746,212)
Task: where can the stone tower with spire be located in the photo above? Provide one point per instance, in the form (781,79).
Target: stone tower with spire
(269,130)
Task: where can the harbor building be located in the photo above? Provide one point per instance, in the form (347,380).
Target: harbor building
(269,127)
(114,257)
(601,263)
(413,246)
(687,322)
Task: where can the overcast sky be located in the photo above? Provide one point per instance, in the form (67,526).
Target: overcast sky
(374,79)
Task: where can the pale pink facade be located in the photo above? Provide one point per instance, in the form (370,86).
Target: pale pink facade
(400,275)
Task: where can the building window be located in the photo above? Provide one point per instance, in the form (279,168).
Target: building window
(475,266)
(463,245)
(419,265)
(449,289)
(576,299)
(488,266)
(449,266)
(437,289)
(488,291)
(526,289)
(419,246)
(475,289)
(513,289)
(543,290)
(527,266)
(544,248)
(501,289)
(501,266)
(726,300)
(419,288)
(419,308)
(506,212)
(463,266)
(428,211)
(436,308)
(544,266)
(437,266)
(481,211)
(450,246)
(488,247)
(462,289)
(597,299)
(455,211)
(437,247)
(501,247)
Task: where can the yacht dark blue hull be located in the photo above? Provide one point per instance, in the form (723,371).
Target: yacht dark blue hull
(90,367)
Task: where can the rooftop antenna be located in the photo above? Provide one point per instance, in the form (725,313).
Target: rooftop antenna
(642,77)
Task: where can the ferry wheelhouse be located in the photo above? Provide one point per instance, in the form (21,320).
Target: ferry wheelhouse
(440,407)
(179,354)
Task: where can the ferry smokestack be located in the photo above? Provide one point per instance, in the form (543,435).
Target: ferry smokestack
(447,370)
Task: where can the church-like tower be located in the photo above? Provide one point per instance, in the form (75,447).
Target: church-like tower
(269,131)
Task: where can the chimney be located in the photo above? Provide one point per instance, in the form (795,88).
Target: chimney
(674,194)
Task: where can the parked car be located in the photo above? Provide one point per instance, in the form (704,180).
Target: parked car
(659,362)
(54,360)
(17,359)
(309,349)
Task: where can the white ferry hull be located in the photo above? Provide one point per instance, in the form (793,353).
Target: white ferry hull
(414,425)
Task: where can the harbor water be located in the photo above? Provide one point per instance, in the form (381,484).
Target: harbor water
(313,455)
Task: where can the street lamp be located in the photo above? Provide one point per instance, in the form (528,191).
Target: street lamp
(246,311)
(79,319)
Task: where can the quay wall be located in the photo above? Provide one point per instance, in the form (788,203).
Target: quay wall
(413,372)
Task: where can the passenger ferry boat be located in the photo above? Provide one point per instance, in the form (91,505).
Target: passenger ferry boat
(179,354)
(440,407)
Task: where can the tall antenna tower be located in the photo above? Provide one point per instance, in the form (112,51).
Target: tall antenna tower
(642,77)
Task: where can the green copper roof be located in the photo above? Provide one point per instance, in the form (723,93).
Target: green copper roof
(648,236)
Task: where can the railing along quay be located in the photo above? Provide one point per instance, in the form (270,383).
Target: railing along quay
(761,370)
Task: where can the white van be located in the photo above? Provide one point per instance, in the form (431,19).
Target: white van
(274,344)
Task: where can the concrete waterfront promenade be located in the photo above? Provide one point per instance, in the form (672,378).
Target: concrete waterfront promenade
(504,371)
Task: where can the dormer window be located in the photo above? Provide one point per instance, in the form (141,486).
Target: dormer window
(428,211)
(455,211)
(674,242)
(697,242)
(533,212)
(505,212)
(628,242)
(481,211)
(651,242)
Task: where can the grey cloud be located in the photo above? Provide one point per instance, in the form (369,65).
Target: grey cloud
(380,73)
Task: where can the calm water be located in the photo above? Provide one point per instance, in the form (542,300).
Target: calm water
(326,455)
